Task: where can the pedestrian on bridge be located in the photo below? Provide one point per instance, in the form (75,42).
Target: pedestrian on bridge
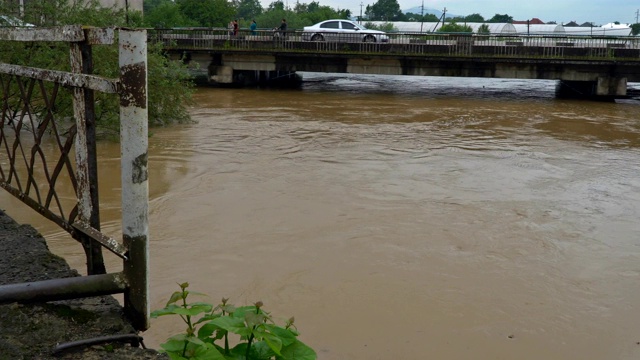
(253,27)
(235,27)
(283,28)
(230,28)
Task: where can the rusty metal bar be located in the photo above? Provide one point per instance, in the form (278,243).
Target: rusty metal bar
(37,207)
(135,183)
(65,78)
(106,241)
(63,289)
(86,167)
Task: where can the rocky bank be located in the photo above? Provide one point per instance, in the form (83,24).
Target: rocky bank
(36,331)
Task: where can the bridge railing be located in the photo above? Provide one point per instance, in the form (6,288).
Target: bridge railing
(45,150)
(406,43)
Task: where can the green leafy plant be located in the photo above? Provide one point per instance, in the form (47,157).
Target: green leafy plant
(257,337)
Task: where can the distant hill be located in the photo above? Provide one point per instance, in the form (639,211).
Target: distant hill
(418,10)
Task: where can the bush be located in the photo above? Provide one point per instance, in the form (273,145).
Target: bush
(258,337)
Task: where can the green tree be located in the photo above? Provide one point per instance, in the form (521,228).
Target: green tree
(484,29)
(385,10)
(477,18)
(313,12)
(165,14)
(453,27)
(169,86)
(277,5)
(497,18)
(411,17)
(635,29)
(210,13)
(248,9)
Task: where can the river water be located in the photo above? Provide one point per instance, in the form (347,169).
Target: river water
(399,217)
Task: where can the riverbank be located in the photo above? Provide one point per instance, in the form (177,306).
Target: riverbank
(33,331)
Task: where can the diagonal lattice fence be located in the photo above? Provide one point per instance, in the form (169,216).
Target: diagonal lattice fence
(48,146)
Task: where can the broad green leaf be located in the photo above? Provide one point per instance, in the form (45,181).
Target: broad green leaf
(297,351)
(274,342)
(208,352)
(173,356)
(207,330)
(239,349)
(260,350)
(287,336)
(175,297)
(254,319)
(173,346)
(240,311)
(201,303)
(168,310)
(195,340)
(232,325)
(207,318)
(192,311)
(229,309)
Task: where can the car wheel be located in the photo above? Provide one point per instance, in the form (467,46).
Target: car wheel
(317,37)
(369,39)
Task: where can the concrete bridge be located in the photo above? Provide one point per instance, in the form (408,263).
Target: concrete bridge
(585,66)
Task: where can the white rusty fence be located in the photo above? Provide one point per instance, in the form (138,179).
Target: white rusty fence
(30,122)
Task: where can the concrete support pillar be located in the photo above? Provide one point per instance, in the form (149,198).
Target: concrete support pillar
(221,74)
(604,88)
(611,86)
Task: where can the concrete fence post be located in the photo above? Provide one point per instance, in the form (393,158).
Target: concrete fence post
(135,182)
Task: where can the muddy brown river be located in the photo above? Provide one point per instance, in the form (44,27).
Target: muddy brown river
(398,217)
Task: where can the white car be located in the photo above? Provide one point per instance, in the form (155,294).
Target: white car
(342,31)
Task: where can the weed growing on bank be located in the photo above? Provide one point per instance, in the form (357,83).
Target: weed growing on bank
(252,329)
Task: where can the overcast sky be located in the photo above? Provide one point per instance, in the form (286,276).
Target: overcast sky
(561,11)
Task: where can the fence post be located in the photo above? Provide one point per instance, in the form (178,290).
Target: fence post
(135,183)
(87,168)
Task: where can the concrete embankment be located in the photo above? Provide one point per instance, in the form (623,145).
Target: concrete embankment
(36,331)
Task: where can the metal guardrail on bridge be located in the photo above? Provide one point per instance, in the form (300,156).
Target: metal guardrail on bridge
(31,130)
(442,44)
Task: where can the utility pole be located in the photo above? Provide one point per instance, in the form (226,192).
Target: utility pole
(361,4)
(421,16)
(637,14)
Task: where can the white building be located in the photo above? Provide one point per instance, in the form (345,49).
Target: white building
(412,26)
(539,29)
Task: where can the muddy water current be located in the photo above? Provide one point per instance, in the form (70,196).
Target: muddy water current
(398,217)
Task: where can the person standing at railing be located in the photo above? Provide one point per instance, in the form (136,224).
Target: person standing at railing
(253,27)
(230,28)
(235,27)
(283,28)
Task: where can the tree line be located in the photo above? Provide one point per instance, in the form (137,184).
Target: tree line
(218,13)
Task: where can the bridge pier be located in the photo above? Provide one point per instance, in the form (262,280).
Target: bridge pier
(227,75)
(604,88)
